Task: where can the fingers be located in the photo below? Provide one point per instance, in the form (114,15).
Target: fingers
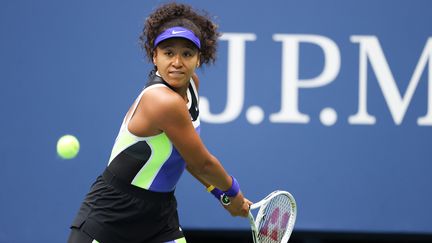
(243,211)
(239,206)
(248,202)
(246,207)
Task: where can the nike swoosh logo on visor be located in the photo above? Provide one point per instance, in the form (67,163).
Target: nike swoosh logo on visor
(175,32)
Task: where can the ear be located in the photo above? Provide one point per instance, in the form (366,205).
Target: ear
(154,57)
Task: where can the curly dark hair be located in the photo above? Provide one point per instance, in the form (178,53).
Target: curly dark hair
(175,14)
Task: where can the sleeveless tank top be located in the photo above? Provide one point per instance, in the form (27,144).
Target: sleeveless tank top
(151,163)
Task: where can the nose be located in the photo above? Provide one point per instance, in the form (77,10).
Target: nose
(177,62)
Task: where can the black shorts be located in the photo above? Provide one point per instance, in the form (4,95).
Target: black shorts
(117,212)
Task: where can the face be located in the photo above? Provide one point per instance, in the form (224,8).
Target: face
(176,60)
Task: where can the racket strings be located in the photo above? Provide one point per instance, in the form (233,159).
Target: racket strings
(274,219)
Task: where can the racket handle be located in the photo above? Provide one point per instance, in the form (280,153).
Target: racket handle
(253,227)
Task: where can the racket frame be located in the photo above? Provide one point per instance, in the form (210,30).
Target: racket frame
(262,205)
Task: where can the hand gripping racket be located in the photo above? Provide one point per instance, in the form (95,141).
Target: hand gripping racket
(275,219)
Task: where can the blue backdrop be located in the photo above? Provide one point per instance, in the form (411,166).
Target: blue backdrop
(330,100)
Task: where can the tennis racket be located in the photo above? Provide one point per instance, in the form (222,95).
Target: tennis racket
(275,219)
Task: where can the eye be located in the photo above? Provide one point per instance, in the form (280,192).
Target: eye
(168,53)
(187,53)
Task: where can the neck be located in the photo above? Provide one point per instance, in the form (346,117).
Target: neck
(182,91)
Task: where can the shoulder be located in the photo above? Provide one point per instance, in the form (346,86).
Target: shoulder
(164,107)
(162,98)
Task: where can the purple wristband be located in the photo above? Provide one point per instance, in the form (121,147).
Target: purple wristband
(217,193)
(234,189)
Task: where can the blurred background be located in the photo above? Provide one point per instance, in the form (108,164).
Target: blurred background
(329,100)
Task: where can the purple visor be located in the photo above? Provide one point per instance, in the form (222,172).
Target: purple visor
(178,32)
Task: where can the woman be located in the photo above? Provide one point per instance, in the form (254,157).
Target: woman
(133,200)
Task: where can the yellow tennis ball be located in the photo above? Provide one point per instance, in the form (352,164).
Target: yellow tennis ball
(68,147)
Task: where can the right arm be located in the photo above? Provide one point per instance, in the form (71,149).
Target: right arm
(169,114)
(232,209)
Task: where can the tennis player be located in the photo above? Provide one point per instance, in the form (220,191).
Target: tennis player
(133,200)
